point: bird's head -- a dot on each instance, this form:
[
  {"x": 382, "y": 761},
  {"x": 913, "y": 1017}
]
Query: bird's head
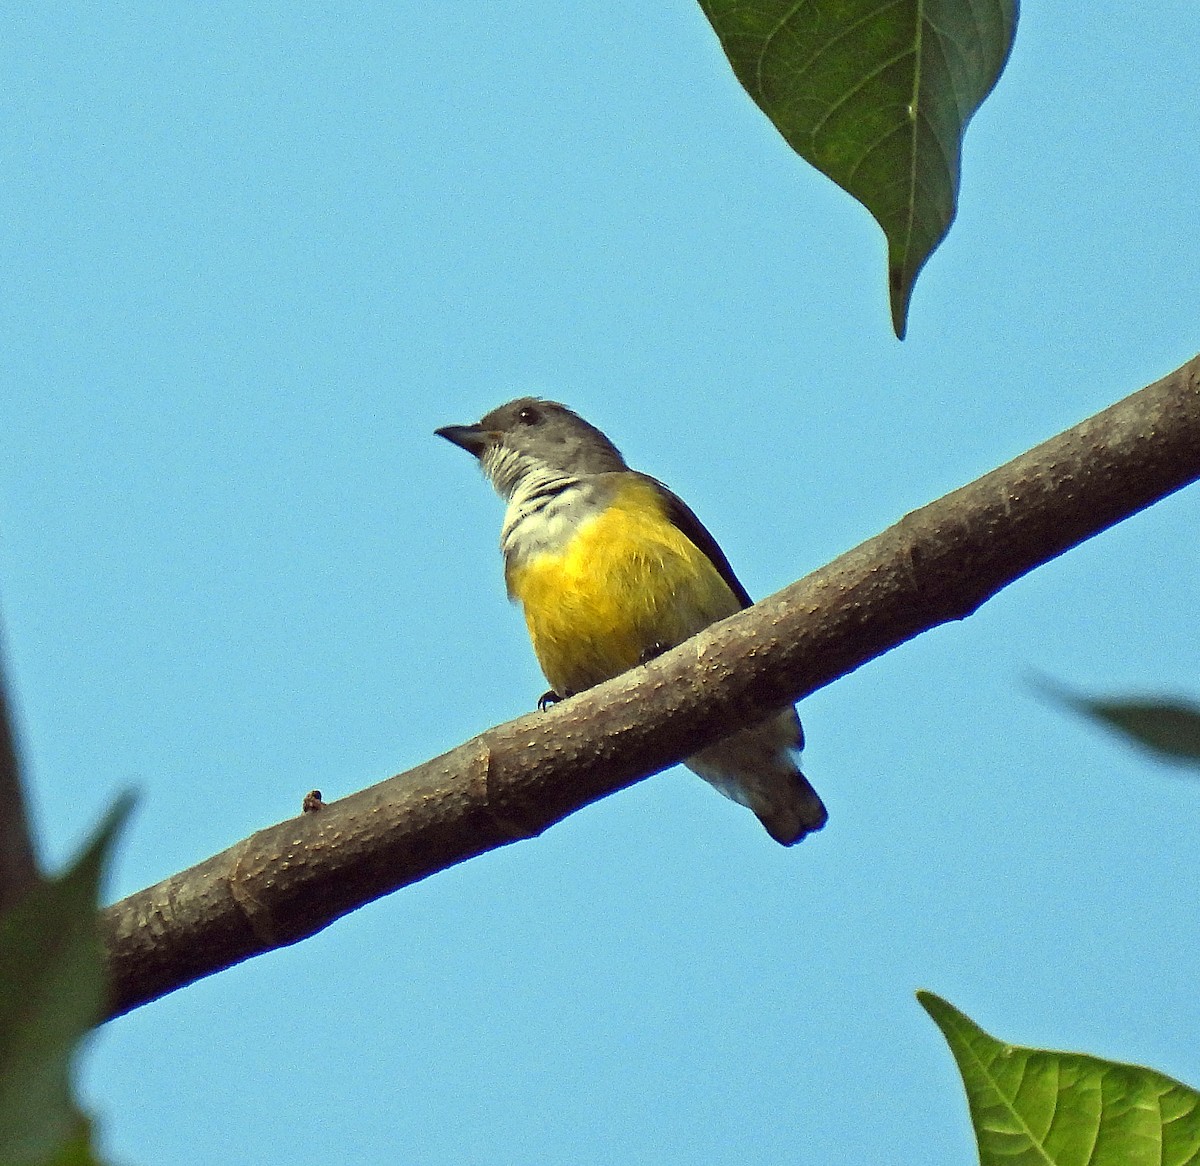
[{"x": 529, "y": 436}]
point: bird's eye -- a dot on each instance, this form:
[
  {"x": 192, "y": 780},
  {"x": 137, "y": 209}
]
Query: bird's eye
[{"x": 528, "y": 415}]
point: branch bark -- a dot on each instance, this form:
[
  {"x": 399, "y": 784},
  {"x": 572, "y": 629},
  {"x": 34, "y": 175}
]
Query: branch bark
[
  {"x": 937, "y": 564},
  {"x": 18, "y": 864}
]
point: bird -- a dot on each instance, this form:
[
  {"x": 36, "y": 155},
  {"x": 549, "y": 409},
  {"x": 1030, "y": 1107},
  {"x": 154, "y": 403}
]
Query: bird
[{"x": 611, "y": 569}]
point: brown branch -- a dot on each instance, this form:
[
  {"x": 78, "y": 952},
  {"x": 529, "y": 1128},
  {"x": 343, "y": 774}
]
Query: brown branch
[
  {"x": 18, "y": 865},
  {"x": 937, "y": 564}
]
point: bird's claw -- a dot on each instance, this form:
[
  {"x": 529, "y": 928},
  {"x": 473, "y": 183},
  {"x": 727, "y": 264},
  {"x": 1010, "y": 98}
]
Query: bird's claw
[
  {"x": 548, "y": 698},
  {"x": 652, "y": 652}
]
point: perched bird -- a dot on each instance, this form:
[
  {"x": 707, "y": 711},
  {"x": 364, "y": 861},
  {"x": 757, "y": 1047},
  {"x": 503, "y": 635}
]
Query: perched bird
[{"x": 612, "y": 569}]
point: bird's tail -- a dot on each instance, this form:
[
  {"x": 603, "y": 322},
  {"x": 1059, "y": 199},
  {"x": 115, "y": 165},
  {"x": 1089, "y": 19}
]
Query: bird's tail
[{"x": 757, "y": 767}]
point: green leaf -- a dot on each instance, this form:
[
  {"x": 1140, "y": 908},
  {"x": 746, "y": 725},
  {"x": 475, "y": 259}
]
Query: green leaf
[
  {"x": 1168, "y": 728},
  {"x": 52, "y": 992},
  {"x": 1031, "y": 1107},
  {"x": 876, "y": 94},
  {"x": 78, "y": 1151}
]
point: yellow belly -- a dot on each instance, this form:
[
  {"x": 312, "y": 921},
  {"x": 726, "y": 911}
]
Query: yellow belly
[{"x": 628, "y": 579}]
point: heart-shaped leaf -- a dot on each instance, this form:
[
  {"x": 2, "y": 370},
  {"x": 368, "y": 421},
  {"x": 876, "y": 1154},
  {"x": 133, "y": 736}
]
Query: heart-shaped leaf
[
  {"x": 1031, "y": 1107},
  {"x": 876, "y": 94},
  {"x": 51, "y": 995}
]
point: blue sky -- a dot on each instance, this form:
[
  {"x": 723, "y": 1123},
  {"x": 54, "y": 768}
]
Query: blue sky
[{"x": 254, "y": 254}]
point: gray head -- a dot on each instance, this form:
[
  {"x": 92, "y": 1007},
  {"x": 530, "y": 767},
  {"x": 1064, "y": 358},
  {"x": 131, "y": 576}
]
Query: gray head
[{"x": 529, "y": 436}]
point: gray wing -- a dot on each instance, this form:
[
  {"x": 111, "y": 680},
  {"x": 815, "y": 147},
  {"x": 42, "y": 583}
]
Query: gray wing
[
  {"x": 680, "y": 514},
  {"x": 682, "y": 517}
]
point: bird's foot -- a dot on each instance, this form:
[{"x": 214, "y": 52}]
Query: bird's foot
[
  {"x": 653, "y": 652},
  {"x": 548, "y": 698}
]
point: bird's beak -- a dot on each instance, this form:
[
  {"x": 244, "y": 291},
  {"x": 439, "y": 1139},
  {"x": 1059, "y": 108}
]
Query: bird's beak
[{"x": 473, "y": 438}]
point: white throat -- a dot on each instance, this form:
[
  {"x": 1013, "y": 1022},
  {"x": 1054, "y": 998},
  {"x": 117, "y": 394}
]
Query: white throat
[{"x": 545, "y": 505}]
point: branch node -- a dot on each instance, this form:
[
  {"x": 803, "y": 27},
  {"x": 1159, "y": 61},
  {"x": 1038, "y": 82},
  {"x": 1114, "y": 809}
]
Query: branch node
[
  {"x": 256, "y": 913},
  {"x": 492, "y": 795}
]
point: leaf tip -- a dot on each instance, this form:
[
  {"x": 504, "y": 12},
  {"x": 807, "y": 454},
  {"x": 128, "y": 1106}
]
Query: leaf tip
[
  {"x": 900, "y": 292},
  {"x": 930, "y": 1001}
]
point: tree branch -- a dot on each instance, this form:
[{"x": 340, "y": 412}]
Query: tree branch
[
  {"x": 18, "y": 865},
  {"x": 937, "y": 564}
]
